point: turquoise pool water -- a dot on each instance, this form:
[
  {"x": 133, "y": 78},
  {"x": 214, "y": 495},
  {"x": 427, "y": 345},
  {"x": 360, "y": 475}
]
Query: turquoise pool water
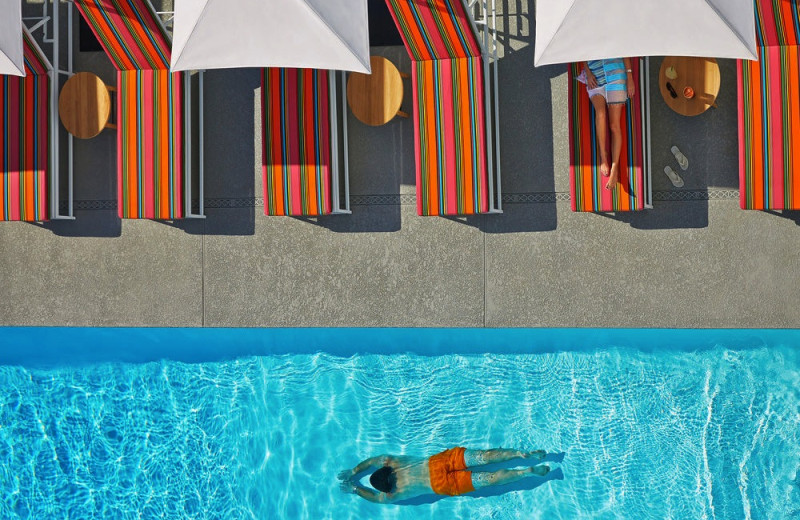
[{"x": 248, "y": 424}]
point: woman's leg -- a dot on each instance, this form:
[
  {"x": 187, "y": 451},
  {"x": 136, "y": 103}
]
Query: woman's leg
[
  {"x": 601, "y": 125},
  {"x": 480, "y": 457},
  {"x": 615, "y": 117},
  {"x": 481, "y": 479}
]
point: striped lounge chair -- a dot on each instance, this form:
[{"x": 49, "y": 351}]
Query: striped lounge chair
[
  {"x": 455, "y": 151},
  {"x": 24, "y": 122},
  {"x": 301, "y": 159},
  {"x": 586, "y": 184},
  {"x": 150, "y": 115},
  {"x": 769, "y": 111}
]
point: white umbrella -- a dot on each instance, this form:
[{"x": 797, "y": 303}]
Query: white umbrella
[
  {"x": 316, "y": 34},
  {"x": 579, "y": 30},
  {"x": 11, "y": 57}
]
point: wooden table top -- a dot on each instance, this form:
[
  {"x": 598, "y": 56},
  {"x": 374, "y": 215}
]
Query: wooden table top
[
  {"x": 702, "y": 74},
  {"x": 375, "y": 98},
  {"x": 84, "y": 105}
]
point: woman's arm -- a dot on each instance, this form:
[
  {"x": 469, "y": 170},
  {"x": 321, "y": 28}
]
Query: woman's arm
[
  {"x": 629, "y": 73},
  {"x": 591, "y": 81}
]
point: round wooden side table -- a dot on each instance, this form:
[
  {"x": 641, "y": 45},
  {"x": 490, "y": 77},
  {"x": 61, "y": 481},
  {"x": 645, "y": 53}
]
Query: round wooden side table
[
  {"x": 376, "y": 98},
  {"x": 84, "y": 105},
  {"x": 701, "y": 74}
]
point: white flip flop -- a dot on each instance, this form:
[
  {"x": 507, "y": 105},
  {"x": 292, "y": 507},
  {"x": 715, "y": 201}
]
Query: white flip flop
[
  {"x": 674, "y": 177},
  {"x": 683, "y": 162}
]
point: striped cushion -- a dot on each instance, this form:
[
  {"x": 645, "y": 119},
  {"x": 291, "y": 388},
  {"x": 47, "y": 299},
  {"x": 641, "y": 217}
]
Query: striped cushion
[
  {"x": 769, "y": 111},
  {"x": 450, "y": 137},
  {"x": 24, "y": 114},
  {"x": 149, "y": 137},
  {"x": 434, "y": 29},
  {"x": 149, "y": 107},
  {"x": 449, "y": 111},
  {"x": 296, "y": 159},
  {"x": 129, "y": 32},
  {"x": 587, "y": 185}
]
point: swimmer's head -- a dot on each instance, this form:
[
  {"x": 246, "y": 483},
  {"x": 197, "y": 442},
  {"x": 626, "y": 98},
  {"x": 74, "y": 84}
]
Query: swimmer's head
[{"x": 384, "y": 479}]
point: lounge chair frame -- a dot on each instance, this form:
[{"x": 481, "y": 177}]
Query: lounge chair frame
[
  {"x": 49, "y": 23},
  {"x": 339, "y": 154}
]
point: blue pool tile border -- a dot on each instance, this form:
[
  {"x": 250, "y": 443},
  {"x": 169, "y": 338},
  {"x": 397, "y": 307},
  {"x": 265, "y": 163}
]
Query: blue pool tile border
[{"x": 49, "y": 346}]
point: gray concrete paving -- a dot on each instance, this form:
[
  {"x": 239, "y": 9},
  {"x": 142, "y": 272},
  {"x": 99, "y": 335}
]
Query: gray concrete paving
[{"x": 695, "y": 260}]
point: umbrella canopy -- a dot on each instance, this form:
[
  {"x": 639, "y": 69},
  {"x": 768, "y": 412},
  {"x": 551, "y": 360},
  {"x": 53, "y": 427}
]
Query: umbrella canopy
[
  {"x": 315, "y": 34},
  {"x": 11, "y": 60},
  {"x": 579, "y": 30}
]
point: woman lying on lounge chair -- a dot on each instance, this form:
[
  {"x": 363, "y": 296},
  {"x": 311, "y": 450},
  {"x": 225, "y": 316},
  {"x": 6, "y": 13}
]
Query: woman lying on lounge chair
[{"x": 609, "y": 84}]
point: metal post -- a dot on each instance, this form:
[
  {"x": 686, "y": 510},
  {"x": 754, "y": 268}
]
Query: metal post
[
  {"x": 496, "y": 110},
  {"x": 54, "y": 162},
  {"x": 334, "y": 141},
  {"x": 201, "y": 132},
  {"x": 346, "y": 153},
  {"x": 70, "y": 138},
  {"x": 187, "y": 139},
  {"x": 648, "y": 175}
]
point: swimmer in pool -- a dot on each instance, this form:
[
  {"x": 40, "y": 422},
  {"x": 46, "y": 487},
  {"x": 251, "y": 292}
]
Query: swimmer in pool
[{"x": 447, "y": 473}]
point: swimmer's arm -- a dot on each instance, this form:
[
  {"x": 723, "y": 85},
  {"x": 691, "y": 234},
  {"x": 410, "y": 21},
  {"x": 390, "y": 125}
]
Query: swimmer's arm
[
  {"x": 371, "y": 495},
  {"x": 374, "y": 462}
]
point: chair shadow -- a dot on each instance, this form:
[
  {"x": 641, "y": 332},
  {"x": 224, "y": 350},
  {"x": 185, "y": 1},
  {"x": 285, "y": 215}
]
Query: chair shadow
[
  {"x": 787, "y": 214},
  {"x": 363, "y": 219},
  {"x": 526, "y": 130},
  {"x": 524, "y": 484},
  {"x": 99, "y": 224},
  {"x": 663, "y": 215}
]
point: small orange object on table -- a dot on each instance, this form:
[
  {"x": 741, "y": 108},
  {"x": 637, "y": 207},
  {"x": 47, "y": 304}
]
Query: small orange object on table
[
  {"x": 84, "y": 105},
  {"x": 376, "y": 98},
  {"x": 696, "y": 84}
]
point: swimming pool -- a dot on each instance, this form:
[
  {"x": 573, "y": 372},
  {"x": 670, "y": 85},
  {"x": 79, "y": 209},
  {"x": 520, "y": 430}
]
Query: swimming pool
[{"x": 111, "y": 423}]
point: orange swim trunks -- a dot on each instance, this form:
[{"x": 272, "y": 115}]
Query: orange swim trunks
[{"x": 448, "y": 475}]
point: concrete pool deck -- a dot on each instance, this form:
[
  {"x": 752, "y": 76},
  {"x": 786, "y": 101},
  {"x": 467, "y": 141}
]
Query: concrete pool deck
[{"x": 694, "y": 260}]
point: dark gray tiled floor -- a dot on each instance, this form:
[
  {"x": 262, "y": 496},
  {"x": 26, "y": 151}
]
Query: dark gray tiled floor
[{"x": 695, "y": 260}]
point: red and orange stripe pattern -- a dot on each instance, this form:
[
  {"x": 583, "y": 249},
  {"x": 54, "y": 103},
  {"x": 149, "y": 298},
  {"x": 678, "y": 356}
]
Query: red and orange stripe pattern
[
  {"x": 297, "y": 142},
  {"x": 769, "y": 111},
  {"x": 449, "y": 111},
  {"x": 149, "y": 107},
  {"x": 129, "y": 32},
  {"x": 451, "y": 160},
  {"x": 586, "y": 184},
  {"x": 147, "y": 187},
  {"x": 24, "y": 122},
  {"x": 434, "y": 29}
]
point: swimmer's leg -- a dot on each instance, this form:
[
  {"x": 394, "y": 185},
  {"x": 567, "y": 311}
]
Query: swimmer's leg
[
  {"x": 481, "y": 479},
  {"x": 481, "y": 457}
]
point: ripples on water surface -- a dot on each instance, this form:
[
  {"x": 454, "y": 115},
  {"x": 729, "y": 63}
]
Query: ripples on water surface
[{"x": 680, "y": 435}]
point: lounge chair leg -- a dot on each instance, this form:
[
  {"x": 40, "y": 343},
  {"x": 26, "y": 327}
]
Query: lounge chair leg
[{"x": 402, "y": 114}]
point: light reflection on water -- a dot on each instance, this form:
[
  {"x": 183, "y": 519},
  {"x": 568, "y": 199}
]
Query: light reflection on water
[{"x": 712, "y": 434}]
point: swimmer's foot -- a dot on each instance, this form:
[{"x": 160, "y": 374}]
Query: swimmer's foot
[
  {"x": 540, "y": 470},
  {"x": 614, "y": 178},
  {"x": 535, "y": 455}
]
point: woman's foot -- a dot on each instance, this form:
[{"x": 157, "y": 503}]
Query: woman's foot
[
  {"x": 613, "y": 178},
  {"x": 540, "y": 470},
  {"x": 604, "y": 168}
]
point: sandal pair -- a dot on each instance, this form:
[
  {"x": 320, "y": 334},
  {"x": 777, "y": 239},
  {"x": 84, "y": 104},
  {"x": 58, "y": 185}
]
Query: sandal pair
[{"x": 683, "y": 162}]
